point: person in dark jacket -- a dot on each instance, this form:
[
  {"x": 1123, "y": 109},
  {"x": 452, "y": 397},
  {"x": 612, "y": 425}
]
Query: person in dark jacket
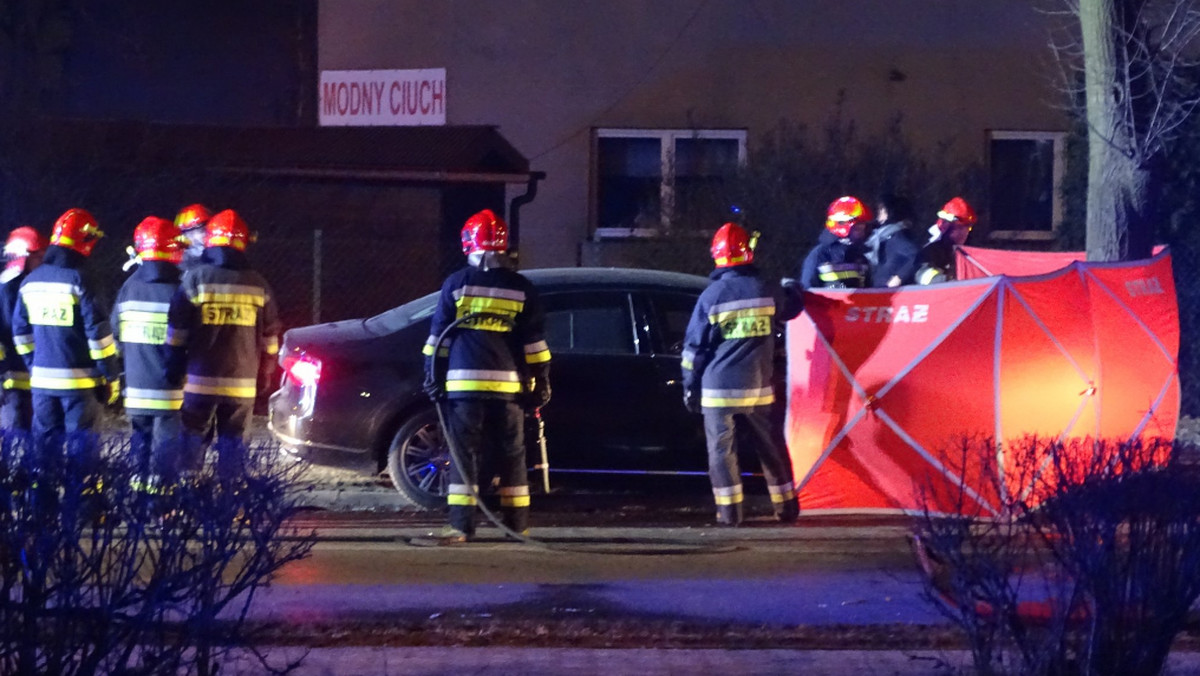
[
  {"x": 728, "y": 375},
  {"x": 489, "y": 366},
  {"x": 64, "y": 336},
  {"x": 892, "y": 251},
  {"x": 839, "y": 260},
  {"x": 152, "y": 399},
  {"x": 23, "y": 251},
  {"x": 955, "y": 220},
  {"x": 223, "y": 329}
]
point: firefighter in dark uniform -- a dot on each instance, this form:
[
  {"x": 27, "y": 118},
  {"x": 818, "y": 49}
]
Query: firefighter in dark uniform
[
  {"x": 839, "y": 259},
  {"x": 152, "y": 401},
  {"x": 23, "y": 252},
  {"x": 191, "y": 221},
  {"x": 490, "y": 368},
  {"x": 64, "y": 336},
  {"x": 223, "y": 329},
  {"x": 728, "y": 367},
  {"x": 954, "y": 223}
]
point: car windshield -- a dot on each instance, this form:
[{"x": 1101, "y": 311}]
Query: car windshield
[{"x": 402, "y": 316}]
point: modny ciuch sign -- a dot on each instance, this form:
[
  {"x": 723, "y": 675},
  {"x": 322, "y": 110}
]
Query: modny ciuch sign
[{"x": 382, "y": 97}]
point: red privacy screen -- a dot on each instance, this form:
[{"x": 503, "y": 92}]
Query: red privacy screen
[{"x": 883, "y": 383}]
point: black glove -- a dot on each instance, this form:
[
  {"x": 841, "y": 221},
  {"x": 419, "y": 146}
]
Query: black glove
[
  {"x": 433, "y": 389},
  {"x": 691, "y": 401},
  {"x": 540, "y": 396}
]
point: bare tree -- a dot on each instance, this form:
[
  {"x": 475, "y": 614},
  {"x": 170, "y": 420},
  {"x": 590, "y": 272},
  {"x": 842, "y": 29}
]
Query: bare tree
[{"x": 1130, "y": 65}]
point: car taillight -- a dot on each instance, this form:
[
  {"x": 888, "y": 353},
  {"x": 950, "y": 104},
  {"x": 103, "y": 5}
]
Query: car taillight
[{"x": 304, "y": 370}]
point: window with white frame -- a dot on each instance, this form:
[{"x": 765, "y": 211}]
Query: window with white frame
[
  {"x": 1026, "y": 170},
  {"x": 647, "y": 178}
]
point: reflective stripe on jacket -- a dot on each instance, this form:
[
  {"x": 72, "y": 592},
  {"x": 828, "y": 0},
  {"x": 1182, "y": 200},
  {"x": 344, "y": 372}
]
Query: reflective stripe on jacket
[
  {"x": 729, "y": 348},
  {"x": 224, "y": 322},
  {"x": 491, "y": 355},
  {"x": 140, "y": 323},
  {"x": 59, "y": 329}
]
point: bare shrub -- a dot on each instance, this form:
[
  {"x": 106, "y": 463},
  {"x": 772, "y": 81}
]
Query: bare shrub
[
  {"x": 99, "y": 575},
  {"x": 1086, "y": 562}
]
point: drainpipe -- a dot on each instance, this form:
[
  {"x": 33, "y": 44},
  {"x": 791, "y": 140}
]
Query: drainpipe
[{"x": 514, "y": 210}]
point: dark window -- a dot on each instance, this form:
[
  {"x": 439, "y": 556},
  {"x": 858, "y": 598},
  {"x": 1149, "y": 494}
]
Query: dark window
[
  {"x": 1023, "y": 184},
  {"x": 703, "y": 168},
  {"x": 593, "y": 323},
  {"x": 630, "y": 182},
  {"x": 673, "y": 311}
]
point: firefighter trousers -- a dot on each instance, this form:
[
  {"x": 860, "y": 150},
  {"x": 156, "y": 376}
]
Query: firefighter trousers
[
  {"x": 56, "y": 416},
  {"x": 723, "y": 429},
  {"x": 487, "y": 433},
  {"x": 156, "y": 444},
  {"x": 16, "y": 412},
  {"x": 232, "y": 422}
]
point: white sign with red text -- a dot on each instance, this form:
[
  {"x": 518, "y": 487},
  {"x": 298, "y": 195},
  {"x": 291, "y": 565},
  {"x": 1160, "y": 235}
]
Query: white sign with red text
[{"x": 382, "y": 97}]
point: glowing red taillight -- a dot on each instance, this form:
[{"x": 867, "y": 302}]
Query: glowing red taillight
[{"x": 304, "y": 370}]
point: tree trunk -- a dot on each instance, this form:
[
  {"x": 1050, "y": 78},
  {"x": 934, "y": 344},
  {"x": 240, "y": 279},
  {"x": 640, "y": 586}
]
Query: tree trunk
[{"x": 1120, "y": 205}]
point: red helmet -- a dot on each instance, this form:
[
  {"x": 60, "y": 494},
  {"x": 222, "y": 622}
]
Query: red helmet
[
  {"x": 226, "y": 228},
  {"x": 732, "y": 245},
  {"x": 192, "y": 217},
  {"x": 23, "y": 241},
  {"x": 76, "y": 230},
  {"x": 157, "y": 239},
  {"x": 845, "y": 213},
  {"x": 958, "y": 212},
  {"x": 484, "y": 231}
]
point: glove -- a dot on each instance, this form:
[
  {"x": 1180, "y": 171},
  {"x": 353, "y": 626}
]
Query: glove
[
  {"x": 110, "y": 392},
  {"x": 540, "y": 396},
  {"x": 691, "y": 401},
  {"x": 433, "y": 389}
]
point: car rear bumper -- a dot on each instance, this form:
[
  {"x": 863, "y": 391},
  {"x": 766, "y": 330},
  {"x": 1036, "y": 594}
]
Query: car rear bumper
[{"x": 294, "y": 435}]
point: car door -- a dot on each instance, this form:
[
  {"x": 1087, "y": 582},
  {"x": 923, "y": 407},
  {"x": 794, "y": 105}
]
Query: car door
[
  {"x": 664, "y": 318},
  {"x": 605, "y": 385}
]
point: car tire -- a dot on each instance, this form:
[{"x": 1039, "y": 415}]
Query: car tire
[{"x": 419, "y": 460}]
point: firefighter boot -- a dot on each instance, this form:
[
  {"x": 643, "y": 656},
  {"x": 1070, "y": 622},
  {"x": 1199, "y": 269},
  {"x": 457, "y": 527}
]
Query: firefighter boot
[
  {"x": 729, "y": 515},
  {"x": 788, "y": 510}
]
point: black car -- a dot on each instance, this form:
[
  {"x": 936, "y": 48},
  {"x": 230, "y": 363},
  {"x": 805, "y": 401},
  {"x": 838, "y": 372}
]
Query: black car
[{"x": 351, "y": 391}]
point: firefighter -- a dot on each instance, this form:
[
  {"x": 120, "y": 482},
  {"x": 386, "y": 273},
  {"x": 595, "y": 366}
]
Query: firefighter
[
  {"x": 64, "y": 336},
  {"x": 23, "y": 251},
  {"x": 191, "y": 221},
  {"x": 152, "y": 400},
  {"x": 890, "y": 248},
  {"x": 491, "y": 366},
  {"x": 223, "y": 330},
  {"x": 955, "y": 220},
  {"x": 839, "y": 261},
  {"x": 728, "y": 374}
]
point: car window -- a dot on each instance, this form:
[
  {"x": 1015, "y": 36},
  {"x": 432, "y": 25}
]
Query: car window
[
  {"x": 403, "y": 315},
  {"x": 672, "y": 312},
  {"x": 589, "y": 323}
]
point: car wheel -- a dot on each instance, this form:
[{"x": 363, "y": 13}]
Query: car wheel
[{"x": 419, "y": 460}]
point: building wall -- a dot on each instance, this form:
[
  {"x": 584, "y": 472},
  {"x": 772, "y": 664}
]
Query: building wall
[{"x": 547, "y": 72}]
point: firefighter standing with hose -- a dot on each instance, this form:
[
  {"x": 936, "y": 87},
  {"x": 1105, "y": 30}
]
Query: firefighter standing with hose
[
  {"x": 152, "y": 398},
  {"x": 223, "y": 328},
  {"x": 64, "y": 336},
  {"x": 728, "y": 366},
  {"x": 495, "y": 363},
  {"x": 23, "y": 251}
]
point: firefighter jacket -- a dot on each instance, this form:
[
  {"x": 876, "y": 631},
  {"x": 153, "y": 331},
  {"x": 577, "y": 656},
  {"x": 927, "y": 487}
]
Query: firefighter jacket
[
  {"x": 835, "y": 264},
  {"x": 729, "y": 348},
  {"x": 937, "y": 262},
  {"x": 891, "y": 252},
  {"x": 60, "y": 330},
  {"x": 15, "y": 373},
  {"x": 224, "y": 325},
  {"x": 502, "y": 355},
  {"x": 140, "y": 320}
]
